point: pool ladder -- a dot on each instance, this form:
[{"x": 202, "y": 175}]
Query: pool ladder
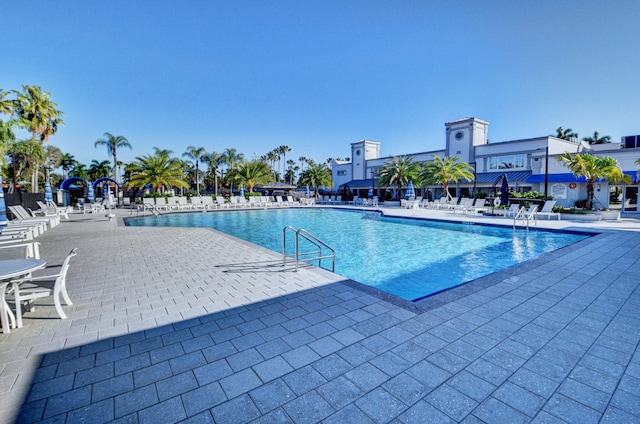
[
  {"x": 313, "y": 255},
  {"x": 522, "y": 214},
  {"x": 148, "y": 207}
]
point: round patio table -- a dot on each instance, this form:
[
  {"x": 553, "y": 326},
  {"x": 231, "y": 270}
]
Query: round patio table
[{"x": 9, "y": 269}]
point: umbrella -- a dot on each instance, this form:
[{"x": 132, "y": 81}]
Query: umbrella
[
  {"x": 370, "y": 191},
  {"x": 411, "y": 192},
  {"x": 504, "y": 191},
  {"x": 90, "y": 195},
  {"x": 307, "y": 193},
  {"x": 242, "y": 191},
  {"x": 48, "y": 196},
  {"x": 3, "y": 208}
]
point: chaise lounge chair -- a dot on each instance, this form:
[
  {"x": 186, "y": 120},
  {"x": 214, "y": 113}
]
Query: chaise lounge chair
[{"x": 547, "y": 210}]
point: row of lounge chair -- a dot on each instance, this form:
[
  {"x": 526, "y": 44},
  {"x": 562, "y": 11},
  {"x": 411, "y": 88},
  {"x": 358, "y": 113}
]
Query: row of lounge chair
[
  {"x": 477, "y": 206},
  {"x": 235, "y": 202}
]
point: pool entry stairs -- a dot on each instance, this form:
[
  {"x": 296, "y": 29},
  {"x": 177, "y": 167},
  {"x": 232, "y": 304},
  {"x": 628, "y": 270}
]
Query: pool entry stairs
[{"x": 320, "y": 250}]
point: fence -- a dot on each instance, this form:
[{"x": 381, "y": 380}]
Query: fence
[{"x": 26, "y": 199}]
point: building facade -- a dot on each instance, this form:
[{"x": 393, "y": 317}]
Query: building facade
[{"x": 529, "y": 164}]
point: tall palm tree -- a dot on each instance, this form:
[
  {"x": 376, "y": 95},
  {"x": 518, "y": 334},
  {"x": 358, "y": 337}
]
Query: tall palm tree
[
  {"x": 113, "y": 143},
  {"x": 6, "y": 105},
  {"x": 38, "y": 114},
  {"x": 196, "y": 154},
  {"x": 157, "y": 171},
  {"x": 251, "y": 173},
  {"x": 594, "y": 168},
  {"x": 214, "y": 160},
  {"x": 272, "y": 157},
  {"x": 446, "y": 170},
  {"x": 316, "y": 175},
  {"x": 398, "y": 171},
  {"x": 302, "y": 160},
  {"x": 565, "y": 133},
  {"x": 291, "y": 165},
  {"x": 231, "y": 158},
  {"x": 596, "y": 139},
  {"x": 282, "y": 150}
]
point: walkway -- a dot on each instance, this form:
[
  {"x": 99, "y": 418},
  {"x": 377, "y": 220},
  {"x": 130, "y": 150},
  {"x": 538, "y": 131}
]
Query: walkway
[{"x": 189, "y": 324}]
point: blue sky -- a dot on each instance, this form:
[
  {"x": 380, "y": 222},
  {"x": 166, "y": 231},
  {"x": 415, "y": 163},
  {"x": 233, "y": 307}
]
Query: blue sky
[{"x": 319, "y": 75}]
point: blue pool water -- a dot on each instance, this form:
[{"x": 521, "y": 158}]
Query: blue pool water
[{"x": 406, "y": 257}]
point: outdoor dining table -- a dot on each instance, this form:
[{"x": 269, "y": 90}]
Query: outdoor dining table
[{"x": 10, "y": 269}]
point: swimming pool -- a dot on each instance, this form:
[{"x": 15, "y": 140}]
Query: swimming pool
[{"x": 409, "y": 258}]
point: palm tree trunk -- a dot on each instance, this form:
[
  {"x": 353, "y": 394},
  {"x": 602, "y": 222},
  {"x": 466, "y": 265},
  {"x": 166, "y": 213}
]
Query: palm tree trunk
[{"x": 590, "y": 195}]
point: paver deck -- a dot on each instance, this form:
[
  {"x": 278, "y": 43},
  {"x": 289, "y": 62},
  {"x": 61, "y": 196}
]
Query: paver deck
[{"x": 175, "y": 324}]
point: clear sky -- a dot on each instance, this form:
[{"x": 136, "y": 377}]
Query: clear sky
[{"x": 319, "y": 75}]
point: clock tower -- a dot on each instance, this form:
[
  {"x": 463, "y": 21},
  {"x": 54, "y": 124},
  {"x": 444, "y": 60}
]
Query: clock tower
[
  {"x": 361, "y": 152},
  {"x": 463, "y": 135}
]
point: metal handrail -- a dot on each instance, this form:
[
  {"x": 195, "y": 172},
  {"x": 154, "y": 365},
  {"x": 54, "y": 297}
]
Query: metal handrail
[
  {"x": 314, "y": 255},
  {"x": 151, "y": 207},
  {"x": 522, "y": 214}
]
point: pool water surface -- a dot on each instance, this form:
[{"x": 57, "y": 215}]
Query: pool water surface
[{"x": 409, "y": 258}]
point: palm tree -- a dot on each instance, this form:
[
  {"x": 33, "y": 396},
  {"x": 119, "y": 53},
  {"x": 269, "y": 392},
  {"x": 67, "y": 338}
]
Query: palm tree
[
  {"x": 282, "y": 150},
  {"x": 593, "y": 168},
  {"x": 398, "y": 171},
  {"x": 565, "y": 134},
  {"x": 25, "y": 155},
  {"x": 196, "y": 154},
  {"x": 6, "y": 105},
  {"x": 596, "y": 139},
  {"x": 38, "y": 114},
  {"x": 99, "y": 169},
  {"x": 213, "y": 159},
  {"x": 446, "y": 170},
  {"x": 79, "y": 171},
  {"x": 272, "y": 157},
  {"x": 231, "y": 158},
  {"x": 289, "y": 174},
  {"x": 316, "y": 175},
  {"x": 113, "y": 143},
  {"x": 156, "y": 171},
  {"x": 251, "y": 173},
  {"x": 302, "y": 160},
  {"x": 67, "y": 161}
]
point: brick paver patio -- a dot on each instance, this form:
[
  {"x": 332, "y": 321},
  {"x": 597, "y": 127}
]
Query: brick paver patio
[{"x": 174, "y": 324}]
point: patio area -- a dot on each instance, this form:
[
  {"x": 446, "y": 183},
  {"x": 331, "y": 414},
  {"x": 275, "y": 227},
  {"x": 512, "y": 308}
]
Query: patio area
[{"x": 175, "y": 324}]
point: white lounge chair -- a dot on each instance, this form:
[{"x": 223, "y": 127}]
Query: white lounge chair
[
  {"x": 161, "y": 203},
  {"x": 477, "y": 208},
  {"x": 547, "y": 210},
  {"x": 465, "y": 203}
]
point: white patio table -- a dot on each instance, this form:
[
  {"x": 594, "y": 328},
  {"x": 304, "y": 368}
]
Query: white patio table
[{"x": 10, "y": 269}]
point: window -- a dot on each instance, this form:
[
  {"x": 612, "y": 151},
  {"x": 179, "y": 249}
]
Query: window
[
  {"x": 632, "y": 141},
  {"x": 342, "y": 173},
  {"x": 508, "y": 162}
]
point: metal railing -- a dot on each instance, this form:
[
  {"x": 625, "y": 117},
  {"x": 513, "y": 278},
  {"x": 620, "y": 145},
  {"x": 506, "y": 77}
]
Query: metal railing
[
  {"x": 148, "y": 207},
  {"x": 310, "y": 256},
  {"x": 526, "y": 217}
]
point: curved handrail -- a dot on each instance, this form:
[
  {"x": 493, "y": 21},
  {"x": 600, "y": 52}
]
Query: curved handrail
[{"x": 313, "y": 240}]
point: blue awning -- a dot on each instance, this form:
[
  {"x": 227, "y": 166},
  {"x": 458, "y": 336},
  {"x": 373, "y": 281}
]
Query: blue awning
[
  {"x": 557, "y": 178},
  {"x": 358, "y": 184},
  {"x": 512, "y": 176}
]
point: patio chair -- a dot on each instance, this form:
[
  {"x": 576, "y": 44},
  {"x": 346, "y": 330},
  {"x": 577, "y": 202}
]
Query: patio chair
[
  {"x": 465, "y": 203},
  {"x": 477, "y": 208},
  {"x": 30, "y": 288},
  {"x": 512, "y": 211},
  {"x": 23, "y": 217},
  {"x": 547, "y": 210}
]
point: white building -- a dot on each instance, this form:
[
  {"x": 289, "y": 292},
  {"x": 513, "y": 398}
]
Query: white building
[{"x": 529, "y": 164}]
